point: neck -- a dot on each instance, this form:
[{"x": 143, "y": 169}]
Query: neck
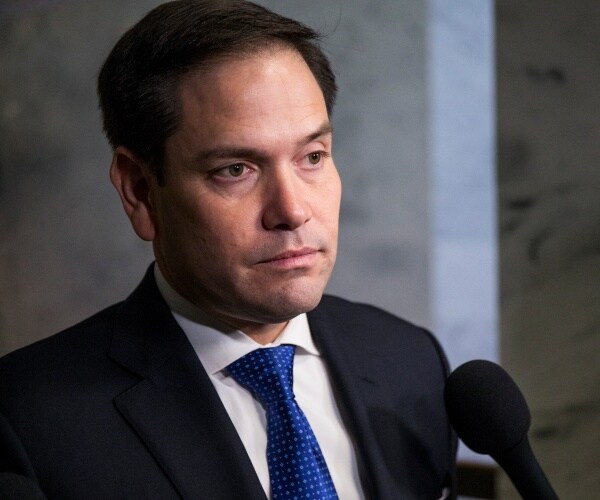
[{"x": 263, "y": 334}]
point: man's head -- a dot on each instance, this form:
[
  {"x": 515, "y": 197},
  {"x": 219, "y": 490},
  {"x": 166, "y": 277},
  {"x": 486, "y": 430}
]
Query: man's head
[
  {"x": 244, "y": 216},
  {"x": 138, "y": 83}
]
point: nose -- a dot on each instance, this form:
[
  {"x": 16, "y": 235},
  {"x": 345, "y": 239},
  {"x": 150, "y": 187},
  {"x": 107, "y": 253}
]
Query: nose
[{"x": 286, "y": 201}]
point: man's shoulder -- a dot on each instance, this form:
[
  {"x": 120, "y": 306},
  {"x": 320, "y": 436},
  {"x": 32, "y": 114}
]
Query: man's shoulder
[
  {"x": 89, "y": 337},
  {"x": 379, "y": 331},
  {"x": 80, "y": 345},
  {"x": 366, "y": 317},
  {"x": 341, "y": 307},
  {"x": 80, "y": 333}
]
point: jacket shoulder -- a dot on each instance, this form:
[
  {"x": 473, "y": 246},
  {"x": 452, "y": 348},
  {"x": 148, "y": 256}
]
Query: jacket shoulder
[
  {"x": 85, "y": 335},
  {"x": 358, "y": 310},
  {"x": 66, "y": 364},
  {"x": 368, "y": 324}
]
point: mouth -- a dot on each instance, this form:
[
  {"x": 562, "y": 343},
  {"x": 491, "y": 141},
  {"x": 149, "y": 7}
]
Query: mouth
[{"x": 292, "y": 259}]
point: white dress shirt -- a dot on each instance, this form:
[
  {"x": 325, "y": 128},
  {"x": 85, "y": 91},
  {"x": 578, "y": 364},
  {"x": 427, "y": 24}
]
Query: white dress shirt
[{"x": 217, "y": 346}]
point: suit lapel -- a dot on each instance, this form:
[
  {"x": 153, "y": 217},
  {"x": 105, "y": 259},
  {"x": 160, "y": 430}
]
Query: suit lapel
[
  {"x": 174, "y": 409},
  {"x": 355, "y": 379}
]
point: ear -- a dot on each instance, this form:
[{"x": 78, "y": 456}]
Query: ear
[{"x": 134, "y": 181}]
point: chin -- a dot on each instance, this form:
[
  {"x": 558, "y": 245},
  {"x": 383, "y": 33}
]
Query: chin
[{"x": 285, "y": 305}]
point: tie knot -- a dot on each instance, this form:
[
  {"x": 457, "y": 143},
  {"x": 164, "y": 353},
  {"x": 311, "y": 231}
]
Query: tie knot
[{"x": 267, "y": 372}]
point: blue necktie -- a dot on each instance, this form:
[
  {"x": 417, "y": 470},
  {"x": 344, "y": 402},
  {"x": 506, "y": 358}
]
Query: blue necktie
[{"x": 297, "y": 468}]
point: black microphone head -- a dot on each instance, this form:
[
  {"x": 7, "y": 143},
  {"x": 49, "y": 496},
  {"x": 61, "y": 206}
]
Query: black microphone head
[
  {"x": 18, "y": 487},
  {"x": 486, "y": 408}
]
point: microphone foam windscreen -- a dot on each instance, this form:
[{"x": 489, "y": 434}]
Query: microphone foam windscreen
[{"x": 485, "y": 407}]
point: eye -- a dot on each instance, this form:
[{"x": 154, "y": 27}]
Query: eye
[
  {"x": 235, "y": 170},
  {"x": 314, "y": 158}
]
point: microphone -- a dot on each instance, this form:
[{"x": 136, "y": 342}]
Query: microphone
[
  {"x": 489, "y": 413},
  {"x": 18, "y": 487}
]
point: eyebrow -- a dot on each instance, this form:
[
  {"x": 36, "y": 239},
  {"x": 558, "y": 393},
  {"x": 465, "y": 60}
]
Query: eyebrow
[{"x": 243, "y": 152}]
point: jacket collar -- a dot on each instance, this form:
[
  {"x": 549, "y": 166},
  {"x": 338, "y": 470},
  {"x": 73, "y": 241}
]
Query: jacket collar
[
  {"x": 174, "y": 408},
  {"x": 357, "y": 378}
]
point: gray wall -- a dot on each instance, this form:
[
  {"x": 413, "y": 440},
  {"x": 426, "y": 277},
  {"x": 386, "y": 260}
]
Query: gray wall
[
  {"x": 549, "y": 192},
  {"x": 66, "y": 248}
]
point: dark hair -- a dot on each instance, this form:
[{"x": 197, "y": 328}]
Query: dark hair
[{"x": 138, "y": 82}]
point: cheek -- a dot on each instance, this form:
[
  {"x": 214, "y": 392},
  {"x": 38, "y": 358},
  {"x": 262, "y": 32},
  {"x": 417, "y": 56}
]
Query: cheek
[
  {"x": 222, "y": 233},
  {"x": 182, "y": 228},
  {"x": 330, "y": 202}
]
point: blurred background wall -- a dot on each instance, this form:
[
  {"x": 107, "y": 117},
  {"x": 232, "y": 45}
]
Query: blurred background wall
[
  {"x": 488, "y": 234},
  {"x": 549, "y": 208}
]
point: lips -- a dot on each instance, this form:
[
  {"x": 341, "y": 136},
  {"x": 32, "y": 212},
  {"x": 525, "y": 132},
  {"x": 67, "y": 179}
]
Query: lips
[
  {"x": 291, "y": 254},
  {"x": 292, "y": 258}
]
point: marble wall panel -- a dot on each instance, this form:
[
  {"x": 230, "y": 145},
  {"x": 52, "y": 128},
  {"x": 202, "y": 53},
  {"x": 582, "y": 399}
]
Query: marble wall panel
[
  {"x": 549, "y": 193},
  {"x": 462, "y": 182},
  {"x": 462, "y": 177},
  {"x": 66, "y": 249}
]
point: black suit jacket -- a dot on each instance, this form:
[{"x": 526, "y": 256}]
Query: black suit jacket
[{"x": 119, "y": 406}]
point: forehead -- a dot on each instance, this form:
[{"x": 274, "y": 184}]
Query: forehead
[{"x": 269, "y": 90}]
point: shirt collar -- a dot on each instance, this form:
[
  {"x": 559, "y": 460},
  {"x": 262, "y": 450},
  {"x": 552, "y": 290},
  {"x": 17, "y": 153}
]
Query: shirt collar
[{"x": 216, "y": 344}]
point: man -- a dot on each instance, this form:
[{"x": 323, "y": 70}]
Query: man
[{"x": 218, "y": 113}]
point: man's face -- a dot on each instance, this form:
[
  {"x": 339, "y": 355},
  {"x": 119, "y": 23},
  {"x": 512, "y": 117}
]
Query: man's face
[{"x": 246, "y": 224}]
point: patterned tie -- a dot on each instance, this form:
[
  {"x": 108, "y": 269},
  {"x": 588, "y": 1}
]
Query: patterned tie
[{"x": 297, "y": 468}]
